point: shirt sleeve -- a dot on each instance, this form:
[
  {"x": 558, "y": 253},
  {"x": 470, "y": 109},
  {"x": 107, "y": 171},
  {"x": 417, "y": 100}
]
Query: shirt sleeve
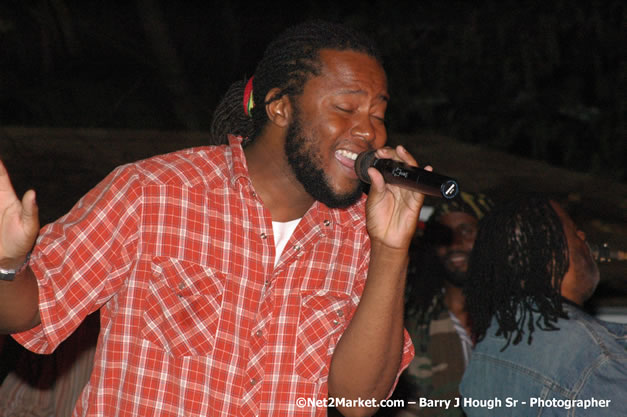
[{"x": 82, "y": 259}]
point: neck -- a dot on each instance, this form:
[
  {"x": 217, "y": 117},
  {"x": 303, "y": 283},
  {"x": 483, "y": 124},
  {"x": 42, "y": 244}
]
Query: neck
[
  {"x": 454, "y": 299},
  {"x": 455, "y": 302},
  {"x": 573, "y": 288},
  {"x": 274, "y": 181}
]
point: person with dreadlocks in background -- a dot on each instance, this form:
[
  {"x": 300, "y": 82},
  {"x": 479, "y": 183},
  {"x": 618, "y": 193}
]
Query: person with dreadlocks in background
[
  {"x": 538, "y": 352},
  {"x": 249, "y": 278},
  {"x": 435, "y": 313}
]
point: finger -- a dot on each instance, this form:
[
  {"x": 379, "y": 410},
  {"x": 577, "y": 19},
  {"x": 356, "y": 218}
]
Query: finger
[
  {"x": 5, "y": 181},
  {"x": 406, "y": 156},
  {"x": 400, "y": 153},
  {"x": 377, "y": 183},
  {"x": 30, "y": 211},
  {"x": 386, "y": 153}
]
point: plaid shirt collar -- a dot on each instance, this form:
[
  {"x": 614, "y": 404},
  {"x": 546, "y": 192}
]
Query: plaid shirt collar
[{"x": 238, "y": 169}]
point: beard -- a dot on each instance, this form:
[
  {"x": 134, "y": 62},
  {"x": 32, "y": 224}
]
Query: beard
[
  {"x": 454, "y": 274},
  {"x": 457, "y": 278},
  {"x": 303, "y": 156}
]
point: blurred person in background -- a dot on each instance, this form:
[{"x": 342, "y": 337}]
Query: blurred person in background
[
  {"x": 531, "y": 271},
  {"x": 435, "y": 305},
  {"x": 33, "y": 385}
]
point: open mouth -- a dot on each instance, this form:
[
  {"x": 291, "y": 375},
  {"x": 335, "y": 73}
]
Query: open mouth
[
  {"x": 457, "y": 259},
  {"x": 347, "y": 159}
]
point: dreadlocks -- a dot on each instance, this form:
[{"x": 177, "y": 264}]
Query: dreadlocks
[
  {"x": 516, "y": 269},
  {"x": 288, "y": 62}
]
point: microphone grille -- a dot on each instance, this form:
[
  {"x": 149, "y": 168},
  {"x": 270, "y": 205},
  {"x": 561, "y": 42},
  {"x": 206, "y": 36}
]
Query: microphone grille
[{"x": 364, "y": 161}]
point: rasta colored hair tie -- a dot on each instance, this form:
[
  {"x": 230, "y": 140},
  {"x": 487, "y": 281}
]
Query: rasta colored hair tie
[{"x": 249, "y": 103}]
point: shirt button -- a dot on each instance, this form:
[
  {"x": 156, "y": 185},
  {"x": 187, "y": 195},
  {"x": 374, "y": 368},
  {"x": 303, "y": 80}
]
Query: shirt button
[
  {"x": 336, "y": 322},
  {"x": 259, "y": 333},
  {"x": 297, "y": 247},
  {"x": 181, "y": 286},
  {"x": 327, "y": 223},
  {"x": 340, "y": 313},
  {"x": 263, "y": 235},
  {"x": 253, "y": 381}
]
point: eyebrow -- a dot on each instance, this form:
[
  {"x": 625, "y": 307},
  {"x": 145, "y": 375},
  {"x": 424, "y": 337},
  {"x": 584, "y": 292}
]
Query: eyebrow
[{"x": 383, "y": 97}]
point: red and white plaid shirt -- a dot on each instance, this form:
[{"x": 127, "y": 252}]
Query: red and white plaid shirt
[{"x": 177, "y": 252}]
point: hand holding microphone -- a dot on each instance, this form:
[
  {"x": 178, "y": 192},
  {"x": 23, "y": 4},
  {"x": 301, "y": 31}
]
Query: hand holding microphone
[{"x": 407, "y": 176}]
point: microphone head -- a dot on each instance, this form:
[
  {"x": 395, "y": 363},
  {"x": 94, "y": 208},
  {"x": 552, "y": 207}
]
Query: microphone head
[
  {"x": 364, "y": 161},
  {"x": 449, "y": 189}
]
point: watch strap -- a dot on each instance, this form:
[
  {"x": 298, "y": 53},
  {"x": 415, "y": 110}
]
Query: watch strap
[{"x": 9, "y": 274}]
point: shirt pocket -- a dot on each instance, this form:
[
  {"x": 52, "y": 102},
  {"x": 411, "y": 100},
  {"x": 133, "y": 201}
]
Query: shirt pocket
[
  {"x": 184, "y": 302},
  {"x": 322, "y": 319}
]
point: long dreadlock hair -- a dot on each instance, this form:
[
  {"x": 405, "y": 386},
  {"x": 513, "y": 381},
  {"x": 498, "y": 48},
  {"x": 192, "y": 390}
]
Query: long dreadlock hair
[
  {"x": 516, "y": 269},
  {"x": 288, "y": 62}
]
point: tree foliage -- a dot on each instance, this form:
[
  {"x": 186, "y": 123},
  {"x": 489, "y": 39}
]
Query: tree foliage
[{"x": 545, "y": 80}]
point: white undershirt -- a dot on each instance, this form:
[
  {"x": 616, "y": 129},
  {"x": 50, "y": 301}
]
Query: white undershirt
[
  {"x": 464, "y": 338},
  {"x": 282, "y": 233}
]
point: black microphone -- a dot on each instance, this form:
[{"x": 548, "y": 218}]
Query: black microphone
[{"x": 403, "y": 175}]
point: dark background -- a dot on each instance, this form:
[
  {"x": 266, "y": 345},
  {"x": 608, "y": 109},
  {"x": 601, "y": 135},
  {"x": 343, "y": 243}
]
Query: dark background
[
  {"x": 506, "y": 96},
  {"x": 543, "y": 79}
]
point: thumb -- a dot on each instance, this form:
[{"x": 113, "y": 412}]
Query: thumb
[{"x": 30, "y": 212}]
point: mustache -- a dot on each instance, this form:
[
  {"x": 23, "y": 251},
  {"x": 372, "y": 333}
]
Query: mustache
[{"x": 451, "y": 253}]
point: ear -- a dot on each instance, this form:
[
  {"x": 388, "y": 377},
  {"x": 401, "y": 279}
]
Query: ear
[{"x": 279, "y": 111}]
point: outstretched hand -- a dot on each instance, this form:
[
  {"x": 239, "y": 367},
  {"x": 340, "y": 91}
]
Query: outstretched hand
[
  {"x": 391, "y": 211},
  {"x": 19, "y": 223}
]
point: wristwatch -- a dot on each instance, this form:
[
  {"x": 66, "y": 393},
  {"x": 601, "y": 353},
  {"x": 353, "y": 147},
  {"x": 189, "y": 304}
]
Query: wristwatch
[{"x": 9, "y": 274}]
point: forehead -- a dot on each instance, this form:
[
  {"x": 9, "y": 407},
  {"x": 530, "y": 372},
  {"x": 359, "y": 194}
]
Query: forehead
[
  {"x": 455, "y": 218},
  {"x": 349, "y": 72}
]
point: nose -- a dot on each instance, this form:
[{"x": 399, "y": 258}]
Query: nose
[
  {"x": 458, "y": 240},
  {"x": 464, "y": 237},
  {"x": 364, "y": 129},
  {"x": 461, "y": 242}
]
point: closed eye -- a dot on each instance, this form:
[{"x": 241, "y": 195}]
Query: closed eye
[{"x": 344, "y": 109}]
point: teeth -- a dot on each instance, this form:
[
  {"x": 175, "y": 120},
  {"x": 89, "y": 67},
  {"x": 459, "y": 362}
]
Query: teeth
[{"x": 347, "y": 154}]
